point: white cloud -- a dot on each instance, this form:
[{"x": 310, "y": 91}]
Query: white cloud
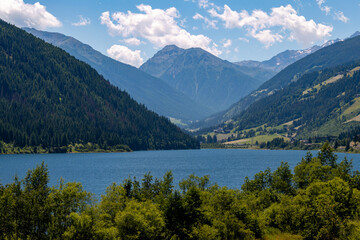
[
  {"x": 83, "y": 21},
  {"x": 325, "y": 8},
  {"x": 340, "y": 16},
  {"x": 209, "y": 23},
  {"x": 320, "y": 2},
  {"x": 132, "y": 41},
  {"x": 244, "y": 39},
  {"x": 267, "y": 37},
  {"x": 262, "y": 26},
  {"x": 227, "y": 43},
  {"x": 204, "y": 4},
  {"x": 27, "y": 15},
  {"x": 157, "y": 26},
  {"x": 125, "y": 55}
]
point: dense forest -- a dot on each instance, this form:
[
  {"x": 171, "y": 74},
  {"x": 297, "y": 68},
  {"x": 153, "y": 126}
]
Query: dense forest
[
  {"x": 320, "y": 199},
  {"x": 50, "y": 100}
]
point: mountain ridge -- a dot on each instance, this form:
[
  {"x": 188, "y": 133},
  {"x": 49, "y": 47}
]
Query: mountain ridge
[
  {"x": 332, "y": 55},
  {"x": 205, "y": 78},
  {"x": 49, "y": 99},
  {"x": 155, "y": 94},
  {"x": 320, "y": 104}
]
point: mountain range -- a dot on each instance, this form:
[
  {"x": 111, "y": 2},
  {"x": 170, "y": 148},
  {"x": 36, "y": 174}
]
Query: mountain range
[
  {"x": 334, "y": 54},
  {"x": 154, "y": 93},
  {"x": 50, "y": 99},
  {"x": 203, "y": 77},
  {"x": 283, "y": 59},
  {"x": 214, "y": 85},
  {"x": 320, "y": 103}
]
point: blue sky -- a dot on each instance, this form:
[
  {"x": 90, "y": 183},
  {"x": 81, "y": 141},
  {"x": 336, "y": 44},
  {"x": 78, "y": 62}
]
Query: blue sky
[{"x": 132, "y": 31}]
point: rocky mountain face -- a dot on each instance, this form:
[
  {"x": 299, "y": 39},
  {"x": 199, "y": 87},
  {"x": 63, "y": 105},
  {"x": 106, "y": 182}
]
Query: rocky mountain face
[{"x": 203, "y": 77}]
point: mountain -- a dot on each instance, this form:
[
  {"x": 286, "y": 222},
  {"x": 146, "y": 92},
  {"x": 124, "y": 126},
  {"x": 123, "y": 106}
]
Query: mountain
[
  {"x": 320, "y": 103},
  {"x": 265, "y": 70},
  {"x": 357, "y": 33},
  {"x": 154, "y": 93},
  {"x": 200, "y": 75},
  {"x": 281, "y": 60},
  {"x": 338, "y": 53},
  {"x": 50, "y": 98}
]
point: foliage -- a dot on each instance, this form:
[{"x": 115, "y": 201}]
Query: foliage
[
  {"x": 50, "y": 100},
  {"x": 320, "y": 200}
]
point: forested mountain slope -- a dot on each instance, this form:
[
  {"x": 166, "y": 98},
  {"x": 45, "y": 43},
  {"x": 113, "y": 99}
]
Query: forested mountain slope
[
  {"x": 320, "y": 103},
  {"x": 49, "y": 98},
  {"x": 336, "y": 54},
  {"x": 154, "y": 93}
]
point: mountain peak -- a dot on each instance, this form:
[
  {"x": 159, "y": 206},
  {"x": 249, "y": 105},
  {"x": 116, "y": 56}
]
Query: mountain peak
[
  {"x": 170, "y": 48},
  {"x": 357, "y": 33},
  {"x": 205, "y": 78}
]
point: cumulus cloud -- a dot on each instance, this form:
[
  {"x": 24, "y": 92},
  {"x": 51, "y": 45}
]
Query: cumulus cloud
[
  {"x": 158, "y": 26},
  {"x": 83, "y": 21},
  {"x": 209, "y": 23},
  {"x": 125, "y": 55},
  {"x": 262, "y": 26},
  {"x": 27, "y": 15},
  {"x": 132, "y": 41}
]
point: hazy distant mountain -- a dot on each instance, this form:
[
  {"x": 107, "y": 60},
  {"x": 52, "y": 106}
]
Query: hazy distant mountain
[
  {"x": 357, "y": 33},
  {"x": 269, "y": 68},
  {"x": 144, "y": 88},
  {"x": 202, "y": 76},
  {"x": 335, "y": 54},
  {"x": 281, "y": 60}
]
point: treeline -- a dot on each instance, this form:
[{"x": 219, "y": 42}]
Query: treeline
[
  {"x": 9, "y": 148},
  {"x": 319, "y": 200},
  {"x": 50, "y": 100}
]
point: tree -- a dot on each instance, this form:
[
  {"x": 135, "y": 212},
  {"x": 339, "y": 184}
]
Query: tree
[{"x": 282, "y": 179}]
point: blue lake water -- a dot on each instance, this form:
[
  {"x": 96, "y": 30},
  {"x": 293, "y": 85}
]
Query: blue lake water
[{"x": 96, "y": 171}]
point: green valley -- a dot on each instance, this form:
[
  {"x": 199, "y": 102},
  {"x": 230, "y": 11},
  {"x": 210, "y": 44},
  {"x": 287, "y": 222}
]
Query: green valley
[{"x": 320, "y": 105}]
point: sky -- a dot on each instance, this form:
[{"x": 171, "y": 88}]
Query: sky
[{"x": 132, "y": 31}]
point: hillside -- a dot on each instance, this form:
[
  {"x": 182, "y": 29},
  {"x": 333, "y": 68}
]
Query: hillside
[
  {"x": 50, "y": 99},
  {"x": 336, "y": 54},
  {"x": 321, "y": 103},
  {"x": 202, "y": 76},
  {"x": 154, "y": 93}
]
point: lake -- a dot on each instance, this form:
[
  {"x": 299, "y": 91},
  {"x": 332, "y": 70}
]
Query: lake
[{"x": 96, "y": 171}]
